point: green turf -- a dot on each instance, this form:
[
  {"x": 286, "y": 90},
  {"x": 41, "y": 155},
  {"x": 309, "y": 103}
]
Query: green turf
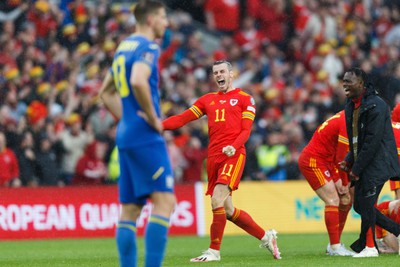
[{"x": 297, "y": 250}]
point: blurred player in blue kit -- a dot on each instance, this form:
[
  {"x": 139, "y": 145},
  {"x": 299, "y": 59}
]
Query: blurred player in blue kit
[{"x": 130, "y": 92}]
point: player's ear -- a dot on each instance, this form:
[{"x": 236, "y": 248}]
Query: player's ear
[
  {"x": 232, "y": 74},
  {"x": 361, "y": 82},
  {"x": 150, "y": 19}
]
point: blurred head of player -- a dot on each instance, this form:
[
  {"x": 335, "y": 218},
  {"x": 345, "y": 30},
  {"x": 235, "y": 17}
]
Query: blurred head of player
[
  {"x": 151, "y": 18},
  {"x": 223, "y": 75},
  {"x": 396, "y": 113}
]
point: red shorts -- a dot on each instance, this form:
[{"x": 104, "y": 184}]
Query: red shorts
[
  {"x": 225, "y": 170},
  {"x": 394, "y": 185},
  {"x": 317, "y": 171}
]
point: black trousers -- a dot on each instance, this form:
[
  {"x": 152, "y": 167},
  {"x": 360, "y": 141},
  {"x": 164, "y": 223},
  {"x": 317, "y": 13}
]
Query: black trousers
[{"x": 364, "y": 204}]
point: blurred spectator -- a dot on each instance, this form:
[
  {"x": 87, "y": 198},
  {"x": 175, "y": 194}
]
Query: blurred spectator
[
  {"x": 15, "y": 109},
  {"x": 295, "y": 143},
  {"x": 109, "y": 138},
  {"x": 391, "y": 86},
  {"x": 27, "y": 160},
  {"x": 272, "y": 157},
  {"x": 251, "y": 170},
  {"x": 36, "y": 118},
  {"x": 178, "y": 161},
  {"x": 7, "y": 53},
  {"x": 9, "y": 175},
  {"x": 273, "y": 20},
  {"x": 249, "y": 37},
  {"x": 44, "y": 19},
  {"x": 100, "y": 120},
  {"x": 194, "y": 7},
  {"x": 70, "y": 38},
  {"x": 91, "y": 168},
  {"x": 74, "y": 141},
  {"x": 194, "y": 155},
  {"x": 383, "y": 22},
  {"x": 54, "y": 53},
  {"x": 321, "y": 25},
  {"x": 48, "y": 169},
  {"x": 11, "y": 130},
  {"x": 113, "y": 167},
  {"x": 12, "y": 11},
  {"x": 222, "y": 15}
]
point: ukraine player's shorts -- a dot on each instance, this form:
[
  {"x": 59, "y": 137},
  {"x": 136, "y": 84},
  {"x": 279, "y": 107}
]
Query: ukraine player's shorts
[
  {"x": 225, "y": 170},
  {"x": 316, "y": 171},
  {"x": 144, "y": 170}
]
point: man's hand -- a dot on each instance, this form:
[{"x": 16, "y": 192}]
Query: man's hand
[
  {"x": 344, "y": 166},
  {"x": 229, "y": 151},
  {"x": 155, "y": 123},
  {"x": 340, "y": 188},
  {"x": 353, "y": 177}
]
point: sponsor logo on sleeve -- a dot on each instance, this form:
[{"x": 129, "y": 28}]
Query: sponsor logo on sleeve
[{"x": 252, "y": 109}]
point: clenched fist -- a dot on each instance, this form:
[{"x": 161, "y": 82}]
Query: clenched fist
[{"x": 229, "y": 151}]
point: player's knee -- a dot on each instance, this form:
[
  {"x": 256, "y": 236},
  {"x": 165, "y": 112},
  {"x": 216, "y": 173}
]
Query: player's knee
[
  {"x": 332, "y": 201},
  {"x": 164, "y": 203},
  {"x": 345, "y": 200},
  {"x": 168, "y": 202},
  {"x": 130, "y": 212},
  {"x": 229, "y": 213},
  {"x": 216, "y": 202}
]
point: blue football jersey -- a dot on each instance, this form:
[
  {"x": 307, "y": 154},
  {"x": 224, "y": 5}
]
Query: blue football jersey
[{"x": 132, "y": 130}]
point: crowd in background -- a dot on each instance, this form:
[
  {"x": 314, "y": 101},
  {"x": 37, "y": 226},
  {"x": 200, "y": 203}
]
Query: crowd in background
[{"x": 289, "y": 55}]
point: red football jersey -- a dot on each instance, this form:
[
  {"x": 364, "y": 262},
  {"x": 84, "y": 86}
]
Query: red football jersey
[
  {"x": 389, "y": 209},
  {"x": 8, "y": 166},
  {"x": 330, "y": 141},
  {"x": 225, "y": 113},
  {"x": 396, "y": 132}
]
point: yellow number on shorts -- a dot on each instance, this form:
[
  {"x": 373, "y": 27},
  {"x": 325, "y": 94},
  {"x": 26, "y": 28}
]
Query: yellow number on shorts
[
  {"x": 120, "y": 76},
  {"x": 227, "y": 173}
]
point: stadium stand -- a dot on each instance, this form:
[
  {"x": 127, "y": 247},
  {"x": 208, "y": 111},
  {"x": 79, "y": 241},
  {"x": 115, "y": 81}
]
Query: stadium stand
[{"x": 290, "y": 57}]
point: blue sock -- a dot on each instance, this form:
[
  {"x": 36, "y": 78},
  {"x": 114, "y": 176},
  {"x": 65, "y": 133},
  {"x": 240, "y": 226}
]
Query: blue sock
[
  {"x": 156, "y": 240},
  {"x": 126, "y": 243}
]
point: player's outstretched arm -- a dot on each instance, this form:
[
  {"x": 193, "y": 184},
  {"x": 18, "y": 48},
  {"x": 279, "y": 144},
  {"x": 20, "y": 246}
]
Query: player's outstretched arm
[{"x": 177, "y": 121}]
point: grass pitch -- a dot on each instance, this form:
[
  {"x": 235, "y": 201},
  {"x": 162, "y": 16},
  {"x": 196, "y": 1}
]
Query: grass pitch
[{"x": 297, "y": 250}]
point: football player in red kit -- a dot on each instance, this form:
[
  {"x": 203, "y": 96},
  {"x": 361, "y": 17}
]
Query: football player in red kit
[
  {"x": 318, "y": 162},
  {"x": 387, "y": 242},
  {"x": 395, "y": 185},
  {"x": 230, "y": 113}
]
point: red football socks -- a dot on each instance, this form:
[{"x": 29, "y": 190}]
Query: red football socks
[
  {"x": 217, "y": 227},
  {"x": 343, "y": 212},
  {"x": 332, "y": 223},
  {"x": 244, "y": 221},
  {"x": 370, "y": 239}
]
